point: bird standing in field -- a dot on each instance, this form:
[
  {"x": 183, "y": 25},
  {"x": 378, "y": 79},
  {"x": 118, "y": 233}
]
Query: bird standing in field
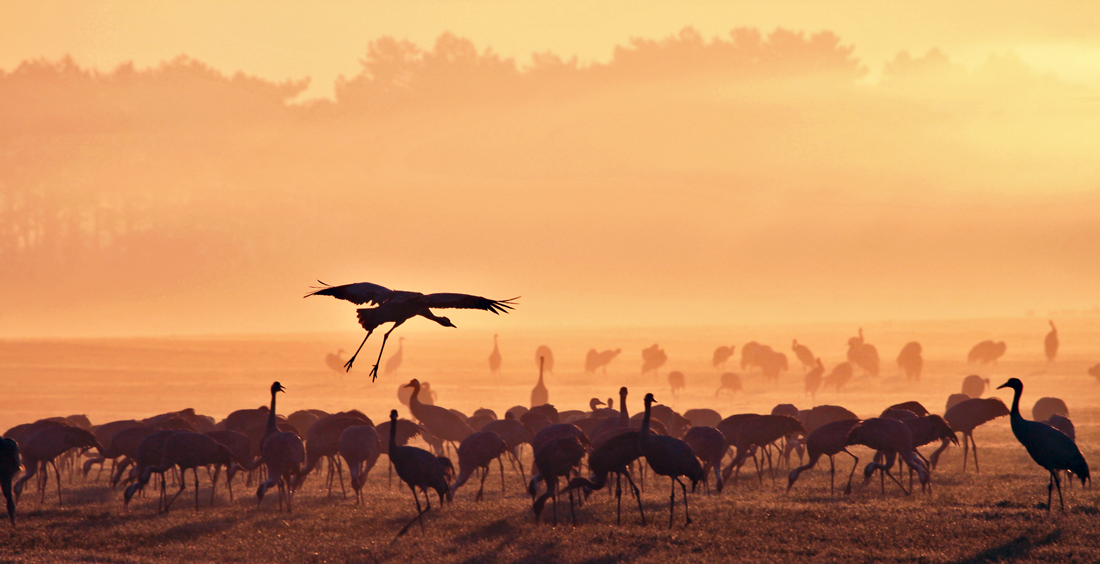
[
  {"x": 964, "y": 417},
  {"x": 911, "y": 361},
  {"x": 394, "y": 362},
  {"x": 805, "y": 356},
  {"x": 397, "y": 307},
  {"x": 539, "y": 394},
  {"x": 670, "y": 457},
  {"x": 721, "y": 355},
  {"x": 1050, "y": 344},
  {"x": 494, "y": 357},
  {"x": 1048, "y": 447}
]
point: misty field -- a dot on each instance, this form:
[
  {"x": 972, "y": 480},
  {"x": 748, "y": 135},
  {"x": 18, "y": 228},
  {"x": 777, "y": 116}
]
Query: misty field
[{"x": 998, "y": 515}]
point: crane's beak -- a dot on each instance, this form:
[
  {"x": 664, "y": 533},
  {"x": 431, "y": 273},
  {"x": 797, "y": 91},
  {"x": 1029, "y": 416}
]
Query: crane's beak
[{"x": 1005, "y": 385}]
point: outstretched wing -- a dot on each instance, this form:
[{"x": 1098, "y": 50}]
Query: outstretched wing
[
  {"x": 466, "y": 301},
  {"x": 358, "y": 294}
]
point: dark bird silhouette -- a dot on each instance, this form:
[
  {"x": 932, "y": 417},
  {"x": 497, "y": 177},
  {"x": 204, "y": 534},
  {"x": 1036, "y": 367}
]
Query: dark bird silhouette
[
  {"x": 804, "y": 355},
  {"x": 1050, "y": 343},
  {"x": 283, "y": 454},
  {"x": 514, "y": 435},
  {"x": 703, "y": 417},
  {"x": 1048, "y": 447},
  {"x": 710, "y": 445},
  {"x": 829, "y": 440},
  {"x": 613, "y": 456},
  {"x": 188, "y": 451},
  {"x": 478, "y": 451},
  {"x": 553, "y": 460},
  {"x": 910, "y": 361},
  {"x": 750, "y": 354},
  {"x": 721, "y": 355},
  {"x": 9, "y": 466},
  {"x": 974, "y": 385},
  {"x": 397, "y": 307},
  {"x": 494, "y": 357},
  {"x": 149, "y": 453},
  {"x": 677, "y": 382},
  {"x": 890, "y": 437},
  {"x": 126, "y": 444},
  {"x": 440, "y": 422},
  {"x": 596, "y": 360},
  {"x": 241, "y": 448},
  {"x": 813, "y": 379},
  {"x": 863, "y": 355},
  {"x": 653, "y": 358},
  {"x": 914, "y": 406},
  {"x": 427, "y": 394},
  {"x": 1046, "y": 407},
  {"x": 986, "y": 352},
  {"x": 394, "y": 362},
  {"x": 966, "y": 416},
  {"x": 421, "y": 469},
  {"x": 335, "y": 361},
  {"x": 670, "y": 457},
  {"x": 323, "y": 440},
  {"x": 539, "y": 394},
  {"x": 1095, "y": 371},
  {"x": 41, "y": 450},
  {"x": 955, "y": 399},
  {"x": 840, "y": 376},
  {"x": 759, "y": 432},
  {"x": 406, "y": 431},
  {"x": 824, "y": 414},
  {"x": 359, "y": 446},
  {"x": 105, "y": 434},
  {"x": 772, "y": 363},
  {"x": 729, "y": 382},
  {"x": 545, "y": 357}
]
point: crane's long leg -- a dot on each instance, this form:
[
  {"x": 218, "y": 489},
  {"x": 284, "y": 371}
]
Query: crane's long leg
[
  {"x": 848, "y": 489},
  {"x": 637, "y": 494},
  {"x": 500, "y": 461},
  {"x": 347, "y": 365},
  {"x": 832, "y": 475},
  {"x": 374, "y": 371},
  {"x": 196, "y": 471},
  {"x": 671, "y": 502},
  {"x": 977, "y": 470},
  {"x": 966, "y": 448},
  {"x": 687, "y": 512}
]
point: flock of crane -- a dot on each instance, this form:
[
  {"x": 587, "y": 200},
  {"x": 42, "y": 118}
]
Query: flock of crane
[{"x": 615, "y": 446}]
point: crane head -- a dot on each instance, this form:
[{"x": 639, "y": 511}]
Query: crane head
[
  {"x": 649, "y": 399},
  {"x": 277, "y": 387},
  {"x": 393, "y": 416},
  {"x": 446, "y": 322},
  {"x": 1013, "y": 383}
]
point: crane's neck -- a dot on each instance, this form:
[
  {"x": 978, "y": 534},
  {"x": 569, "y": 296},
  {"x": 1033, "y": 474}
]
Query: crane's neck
[
  {"x": 1015, "y": 414},
  {"x": 624, "y": 417},
  {"x": 414, "y": 399},
  {"x": 393, "y": 433},
  {"x": 271, "y": 427},
  {"x": 643, "y": 436}
]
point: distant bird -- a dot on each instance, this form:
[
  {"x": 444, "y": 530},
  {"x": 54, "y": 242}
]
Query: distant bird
[
  {"x": 494, "y": 357},
  {"x": 40, "y": 450},
  {"x": 478, "y": 451},
  {"x": 813, "y": 379},
  {"x": 335, "y": 361},
  {"x": 613, "y": 456},
  {"x": 545, "y": 356},
  {"x": 829, "y": 440},
  {"x": 729, "y": 382},
  {"x": 1048, "y": 447},
  {"x": 359, "y": 446},
  {"x": 1095, "y": 371},
  {"x": 721, "y": 355},
  {"x": 750, "y": 354},
  {"x": 910, "y": 361},
  {"x": 802, "y": 352},
  {"x": 891, "y": 437},
  {"x": 863, "y": 355},
  {"x": 955, "y": 399},
  {"x": 421, "y": 469},
  {"x": 772, "y": 363},
  {"x": 394, "y": 362},
  {"x": 653, "y": 358},
  {"x": 840, "y": 376},
  {"x": 670, "y": 457},
  {"x": 427, "y": 394},
  {"x": 9, "y": 466},
  {"x": 539, "y": 394},
  {"x": 1050, "y": 343},
  {"x": 986, "y": 352},
  {"x": 974, "y": 385},
  {"x": 553, "y": 460},
  {"x": 710, "y": 445},
  {"x": 676, "y": 382},
  {"x": 283, "y": 454},
  {"x": 966, "y": 416},
  {"x": 398, "y": 306},
  {"x": 1046, "y": 407},
  {"x": 596, "y": 360},
  {"x": 438, "y": 421}
]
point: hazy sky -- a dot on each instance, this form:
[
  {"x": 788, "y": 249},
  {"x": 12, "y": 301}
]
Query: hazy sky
[{"x": 285, "y": 39}]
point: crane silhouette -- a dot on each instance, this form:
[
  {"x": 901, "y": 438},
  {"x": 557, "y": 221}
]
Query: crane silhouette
[
  {"x": 397, "y": 307},
  {"x": 1045, "y": 407},
  {"x": 670, "y": 457},
  {"x": 442, "y": 423},
  {"x": 335, "y": 361},
  {"x": 830, "y": 440},
  {"x": 419, "y": 468},
  {"x": 475, "y": 452},
  {"x": 911, "y": 361},
  {"x": 892, "y": 437},
  {"x": 965, "y": 416},
  {"x": 974, "y": 385},
  {"x": 544, "y": 354},
  {"x": 188, "y": 451},
  {"x": 9, "y": 466},
  {"x": 1050, "y": 343},
  {"x": 1048, "y": 447},
  {"x": 283, "y": 454},
  {"x": 43, "y": 448},
  {"x": 805, "y": 356},
  {"x": 494, "y": 357},
  {"x": 394, "y": 362},
  {"x": 613, "y": 456},
  {"x": 539, "y": 394},
  {"x": 721, "y": 355},
  {"x": 359, "y": 445}
]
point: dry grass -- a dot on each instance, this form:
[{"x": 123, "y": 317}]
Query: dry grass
[{"x": 997, "y": 516}]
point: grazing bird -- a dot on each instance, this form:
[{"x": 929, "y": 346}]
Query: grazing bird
[
  {"x": 703, "y": 417},
  {"x": 359, "y": 446},
  {"x": 653, "y": 358},
  {"x": 105, "y": 434},
  {"x": 974, "y": 385},
  {"x": 967, "y": 416},
  {"x": 394, "y": 362},
  {"x": 750, "y": 354},
  {"x": 322, "y": 441},
  {"x": 670, "y": 457},
  {"x": 283, "y": 454},
  {"x": 730, "y": 382},
  {"x": 397, "y": 307},
  {"x": 676, "y": 382},
  {"x": 596, "y": 360},
  {"x": 188, "y": 451},
  {"x": 440, "y": 422},
  {"x": 514, "y": 435},
  {"x": 543, "y": 354},
  {"x": 804, "y": 355},
  {"x": 419, "y": 468},
  {"x": 9, "y": 466},
  {"x": 241, "y": 448},
  {"x": 710, "y": 445},
  {"x": 721, "y": 355},
  {"x": 1048, "y": 447},
  {"x": 986, "y": 352},
  {"x": 1050, "y": 343},
  {"x": 824, "y": 414},
  {"x": 613, "y": 456},
  {"x": 539, "y": 394},
  {"x": 829, "y": 440},
  {"x": 1046, "y": 407},
  {"x": 43, "y": 448},
  {"x": 863, "y": 355},
  {"x": 890, "y": 437},
  {"x": 494, "y": 357},
  {"x": 478, "y": 451},
  {"x": 335, "y": 361},
  {"x": 1095, "y": 371},
  {"x": 910, "y": 361},
  {"x": 772, "y": 363},
  {"x": 759, "y": 432},
  {"x": 553, "y": 460},
  {"x": 840, "y": 376},
  {"x": 813, "y": 379}
]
